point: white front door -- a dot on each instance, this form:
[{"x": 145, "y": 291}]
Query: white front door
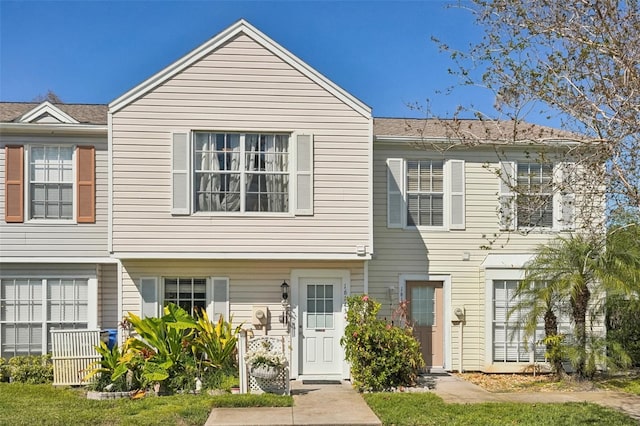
[{"x": 321, "y": 326}]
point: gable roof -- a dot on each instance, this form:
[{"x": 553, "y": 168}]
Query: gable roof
[
  {"x": 240, "y": 27},
  {"x": 46, "y": 111},
  {"x": 16, "y": 112},
  {"x": 446, "y": 130}
]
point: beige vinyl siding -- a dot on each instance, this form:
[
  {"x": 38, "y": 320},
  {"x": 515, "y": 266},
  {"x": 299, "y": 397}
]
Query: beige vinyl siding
[
  {"x": 108, "y": 296},
  {"x": 440, "y": 252},
  {"x": 62, "y": 239},
  {"x": 250, "y": 282},
  {"x": 240, "y": 87}
]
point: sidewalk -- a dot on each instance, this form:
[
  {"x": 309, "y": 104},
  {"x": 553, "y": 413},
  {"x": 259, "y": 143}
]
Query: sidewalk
[
  {"x": 313, "y": 405},
  {"x": 342, "y": 405}
]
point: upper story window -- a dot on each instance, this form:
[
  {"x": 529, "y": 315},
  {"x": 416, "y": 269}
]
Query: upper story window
[
  {"x": 51, "y": 181},
  {"x": 241, "y": 172},
  {"x": 535, "y": 195},
  {"x": 425, "y": 193}
]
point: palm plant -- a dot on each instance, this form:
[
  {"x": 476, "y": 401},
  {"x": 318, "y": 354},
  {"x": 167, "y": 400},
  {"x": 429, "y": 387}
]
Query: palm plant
[{"x": 575, "y": 273}]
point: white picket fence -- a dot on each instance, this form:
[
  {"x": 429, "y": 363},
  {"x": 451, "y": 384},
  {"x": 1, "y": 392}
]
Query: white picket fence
[{"x": 71, "y": 353}]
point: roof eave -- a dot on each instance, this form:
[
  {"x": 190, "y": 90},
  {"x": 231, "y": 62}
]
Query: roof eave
[
  {"x": 457, "y": 141},
  {"x": 67, "y": 129}
]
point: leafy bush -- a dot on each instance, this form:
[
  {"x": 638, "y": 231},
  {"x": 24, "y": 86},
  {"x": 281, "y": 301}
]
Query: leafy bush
[
  {"x": 171, "y": 353},
  {"x": 110, "y": 373},
  {"x": 623, "y": 325},
  {"x": 217, "y": 341},
  {"x": 30, "y": 369},
  {"x": 4, "y": 370},
  {"x": 382, "y": 356}
]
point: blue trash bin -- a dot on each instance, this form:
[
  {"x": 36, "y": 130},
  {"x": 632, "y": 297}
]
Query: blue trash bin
[{"x": 109, "y": 336}]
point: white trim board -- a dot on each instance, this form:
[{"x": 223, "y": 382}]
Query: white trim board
[
  {"x": 241, "y": 256},
  {"x": 47, "y": 108},
  {"x": 66, "y": 260}
]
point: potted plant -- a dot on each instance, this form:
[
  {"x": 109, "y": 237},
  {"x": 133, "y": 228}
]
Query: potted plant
[{"x": 265, "y": 363}]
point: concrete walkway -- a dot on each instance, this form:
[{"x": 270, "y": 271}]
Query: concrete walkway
[
  {"x": 312, "y": 405},
  {"x": 341, "y": 405}
]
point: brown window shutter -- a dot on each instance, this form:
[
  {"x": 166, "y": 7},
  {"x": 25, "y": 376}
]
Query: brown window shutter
[
  {"x": 14, "y": 184},
  {"x": 86, "y": 174}
]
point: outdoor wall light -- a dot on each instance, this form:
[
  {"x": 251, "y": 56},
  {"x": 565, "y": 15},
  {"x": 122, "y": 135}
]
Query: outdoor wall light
[
  {"x": 285, "y": 291},
  {"x": 284, "y": 316}
]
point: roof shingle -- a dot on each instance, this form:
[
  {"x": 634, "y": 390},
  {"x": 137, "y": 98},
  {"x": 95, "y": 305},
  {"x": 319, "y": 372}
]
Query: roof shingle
[
  {"x": 472, "y": 130},
  {"x": 83, "y": 113}
]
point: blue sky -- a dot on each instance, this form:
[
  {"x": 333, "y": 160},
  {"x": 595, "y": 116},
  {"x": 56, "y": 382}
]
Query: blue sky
[{"x": 93, "y": 51}]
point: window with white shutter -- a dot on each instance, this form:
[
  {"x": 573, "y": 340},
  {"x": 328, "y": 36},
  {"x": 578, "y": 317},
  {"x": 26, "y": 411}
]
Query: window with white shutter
[
  {"x": 220, "y": 298},
  {"x": 457, "y": 194},
  {"x": 180, "y": 200},
  {"x": 395, "y": 192},
  {"x": 507, "y": 199},
  {"x": 149, "y": 297},
  {"x": 565, "y": 199},
  {"x": 303, "y": 179}
]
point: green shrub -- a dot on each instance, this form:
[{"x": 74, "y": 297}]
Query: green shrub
[
  {"x": 175, "y": 350},
  {"x": 220, "y": 378},
  {"x": 623, "y": 326},
  {"x": 30, "y": 369},
  {"x": 4, "y": 370},
  {"x": 382, "y": 356}
]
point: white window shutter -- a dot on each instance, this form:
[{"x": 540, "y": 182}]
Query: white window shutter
[
  {"x": 507, "y": 196},
  {"x": 395, "y": 193},
  {"x": 457, "y": 193},
  {"x": 219, "y": 298},
  {"x": 303, "y": 175},
  {"x": 564, "y": 213},
  {"x": 180, "y": 174},
  {"x": 149, "y": 297}
]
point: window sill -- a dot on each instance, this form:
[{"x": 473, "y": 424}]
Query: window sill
[
  {"x": 261, "y": 215},
  {"x": 50, "y": 222},
  {"x": 426, "y": 228}
]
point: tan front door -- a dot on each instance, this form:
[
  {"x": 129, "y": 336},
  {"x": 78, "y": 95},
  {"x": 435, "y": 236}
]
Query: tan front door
[{"x": 426, "y": 316}]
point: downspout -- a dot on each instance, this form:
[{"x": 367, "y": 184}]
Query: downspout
[
  {"x": 366, "y": 277},
  {"x": 460, "y": 326},
  {"x": 120, "y": 302},
  {"x": 109, "y": 182}
]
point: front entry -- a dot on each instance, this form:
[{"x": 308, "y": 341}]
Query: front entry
[
  {"x": 426, "y": 315},
  {"x": 320, "y": 326}
]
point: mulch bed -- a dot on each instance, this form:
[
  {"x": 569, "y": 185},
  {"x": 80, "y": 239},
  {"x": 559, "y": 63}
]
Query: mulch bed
[{"x": 525, "y": 383}]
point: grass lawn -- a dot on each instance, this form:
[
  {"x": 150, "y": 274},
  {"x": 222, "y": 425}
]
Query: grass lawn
[
  {"x": 627, "y": 382},
  {"x": 429, "y": 409},
  {"x": 45, "y": 405}
]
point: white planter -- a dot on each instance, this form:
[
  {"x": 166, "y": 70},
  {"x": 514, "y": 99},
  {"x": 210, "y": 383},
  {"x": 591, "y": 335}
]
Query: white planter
[{"x": 264, "y": 372}]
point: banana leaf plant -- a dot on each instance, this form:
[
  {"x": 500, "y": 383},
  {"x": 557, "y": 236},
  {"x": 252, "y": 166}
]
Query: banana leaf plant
[
  {"x": 217, "y": 341},
  {"x": 164, "y": 343}
]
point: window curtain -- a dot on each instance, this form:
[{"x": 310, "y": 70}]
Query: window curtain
[
  {"x": 218, "y": 183},
  {"x": 276, "y": 162}
]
